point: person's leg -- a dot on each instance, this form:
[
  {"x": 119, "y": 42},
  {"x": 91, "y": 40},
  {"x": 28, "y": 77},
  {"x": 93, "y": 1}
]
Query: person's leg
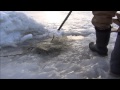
[
  {"x": 102, "y": 40},
  {"x": 115, "y": 57},
  {"x": 102, "y": 21}
]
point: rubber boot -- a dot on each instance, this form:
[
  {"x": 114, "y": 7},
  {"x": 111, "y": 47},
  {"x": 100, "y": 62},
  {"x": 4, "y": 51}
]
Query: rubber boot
[{"x": 102, "y": 40}]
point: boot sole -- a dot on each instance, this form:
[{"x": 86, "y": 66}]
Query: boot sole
[{"x": 95, "y": 50}]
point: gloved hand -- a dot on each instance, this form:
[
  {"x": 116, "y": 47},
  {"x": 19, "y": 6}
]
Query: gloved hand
[{"x": 117, "y": 21}]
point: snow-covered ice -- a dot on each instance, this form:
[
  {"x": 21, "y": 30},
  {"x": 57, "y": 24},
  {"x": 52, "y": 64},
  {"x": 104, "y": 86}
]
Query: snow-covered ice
[
  {"x": 15, "y": 25},
  {"x": 75, "y": 61}
]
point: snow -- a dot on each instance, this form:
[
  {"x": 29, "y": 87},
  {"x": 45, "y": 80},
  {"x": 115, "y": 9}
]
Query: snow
[
  {"x": 73, "y": 61},
  {"x": 15, "y": 25}
]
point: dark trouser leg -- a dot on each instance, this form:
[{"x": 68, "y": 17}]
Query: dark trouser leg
[{"x": 115, "y": 57}]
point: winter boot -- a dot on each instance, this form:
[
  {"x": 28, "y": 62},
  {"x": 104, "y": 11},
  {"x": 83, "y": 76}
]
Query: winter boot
[
  {"x": 115, "y": 57},
  {"x": 102, "y": 40}
]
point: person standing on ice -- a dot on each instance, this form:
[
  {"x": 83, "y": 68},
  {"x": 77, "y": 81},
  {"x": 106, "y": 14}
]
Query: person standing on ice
[{"x": 102, "y": 21}]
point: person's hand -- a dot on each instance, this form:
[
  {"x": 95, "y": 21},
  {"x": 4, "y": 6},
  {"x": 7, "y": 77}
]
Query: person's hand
[{"x": 117, "y": 21}]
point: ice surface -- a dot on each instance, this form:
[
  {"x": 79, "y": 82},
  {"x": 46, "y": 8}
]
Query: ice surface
[
  {"x": 75, "y": 61},
  {"x": 15, "y": 25}
]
